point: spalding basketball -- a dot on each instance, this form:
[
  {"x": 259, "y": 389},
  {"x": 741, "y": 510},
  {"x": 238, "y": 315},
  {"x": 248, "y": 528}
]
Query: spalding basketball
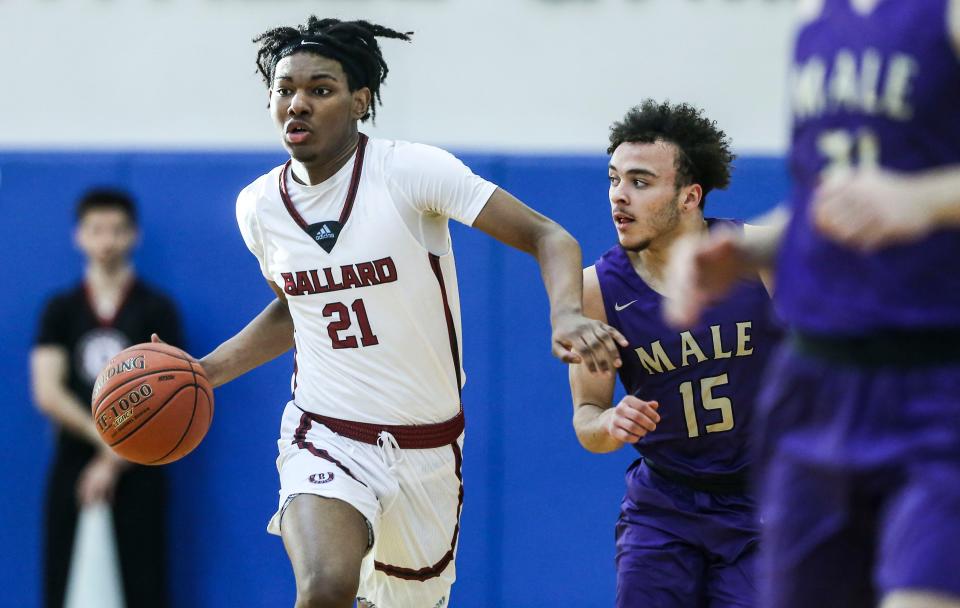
[{"x": 152, "y": 403}]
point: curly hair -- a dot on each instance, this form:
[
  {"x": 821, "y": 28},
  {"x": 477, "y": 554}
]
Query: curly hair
[
  {"x": 352, "y": 43},
  {"x": 703, "y": 150}
]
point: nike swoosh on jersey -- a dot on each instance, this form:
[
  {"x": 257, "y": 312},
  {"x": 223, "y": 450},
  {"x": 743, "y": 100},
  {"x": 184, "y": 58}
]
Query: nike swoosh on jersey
[{"x": 618, "y": 308}]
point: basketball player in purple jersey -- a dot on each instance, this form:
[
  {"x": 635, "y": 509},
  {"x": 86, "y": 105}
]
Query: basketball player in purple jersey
[
  {"x": 687, "y": 536},
  {"x": 861, "y": 429}
]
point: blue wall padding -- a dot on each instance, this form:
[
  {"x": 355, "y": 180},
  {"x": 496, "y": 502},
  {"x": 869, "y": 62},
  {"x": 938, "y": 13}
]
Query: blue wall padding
[{"x": 539, "y": 510}]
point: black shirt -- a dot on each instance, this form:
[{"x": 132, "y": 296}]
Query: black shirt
[{"x": 69, "y": 321}]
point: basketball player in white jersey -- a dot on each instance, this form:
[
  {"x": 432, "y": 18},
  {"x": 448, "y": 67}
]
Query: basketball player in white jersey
[{"x": 351, "y": 233}]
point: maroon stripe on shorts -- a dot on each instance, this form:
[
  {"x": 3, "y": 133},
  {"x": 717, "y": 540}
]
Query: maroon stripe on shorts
[
  {"x": 451, "y": 327},
  {"x": 293, "y": 392},
  {"x": 300, "y": 440},
  {"x": 409, "y": 437},
  {"x": 428, "y": 572}
]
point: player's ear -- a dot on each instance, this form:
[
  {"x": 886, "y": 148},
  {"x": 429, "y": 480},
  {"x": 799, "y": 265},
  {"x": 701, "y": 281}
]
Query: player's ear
[
  {"x": 361, "y": 102},
  {"x": 691, "y": 197}
]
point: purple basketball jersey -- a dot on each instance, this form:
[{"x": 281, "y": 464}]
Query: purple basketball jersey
[
  {"x": 704, "y": 379},
  {"x": 871, "y": 87}
]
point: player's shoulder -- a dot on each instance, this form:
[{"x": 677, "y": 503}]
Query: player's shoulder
[
  {"x": 400, "y": 155},
  {"x": 612, "y": 258},
  {"x": 259, "y": 190},
  {"x": 64, "y": 296},
  {"x": 400, "y": 148},
  {"x": 612, "y": 267},
  {"x": 65, "y": 299}
]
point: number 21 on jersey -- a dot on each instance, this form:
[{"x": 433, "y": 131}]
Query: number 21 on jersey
[
  {"x": 341, "y": 320},
  {"x": 844, "y": 150}
]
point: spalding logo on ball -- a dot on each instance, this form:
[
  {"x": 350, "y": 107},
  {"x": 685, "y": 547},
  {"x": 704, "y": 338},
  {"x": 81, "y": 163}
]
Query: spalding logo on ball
[{"x": 152, "y": 403}]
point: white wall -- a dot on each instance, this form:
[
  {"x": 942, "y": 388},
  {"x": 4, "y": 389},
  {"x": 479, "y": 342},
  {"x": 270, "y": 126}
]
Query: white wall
[{"x": 510, "y": 75}]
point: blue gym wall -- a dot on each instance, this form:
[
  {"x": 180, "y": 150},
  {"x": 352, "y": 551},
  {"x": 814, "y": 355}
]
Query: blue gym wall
[{"x": 539, "y": 511}]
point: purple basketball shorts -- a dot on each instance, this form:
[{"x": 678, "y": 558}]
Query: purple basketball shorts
[
  {"x": 682, "y": 548},
  {"x": 860, "y": 481}
]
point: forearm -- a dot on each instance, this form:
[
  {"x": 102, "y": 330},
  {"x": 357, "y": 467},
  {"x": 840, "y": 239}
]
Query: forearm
[
  {"x": 48, "y": 373},
  {"x": 72, "y": 415},
  {"x": 266, "y": 337},
  {"x": 590, "y": 425},
  {"x": 560, "y": 266},
  {"x": 939, "y": 191},
  {"x": 760, "y": 242}
]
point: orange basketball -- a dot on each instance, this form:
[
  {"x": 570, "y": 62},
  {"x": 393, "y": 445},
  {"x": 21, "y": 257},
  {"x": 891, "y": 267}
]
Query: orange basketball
[{"x": 152, "y": 403}]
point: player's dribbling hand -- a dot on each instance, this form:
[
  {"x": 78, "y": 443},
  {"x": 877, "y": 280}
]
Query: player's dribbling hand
[
  {"x": 869, "y": 209},
  {"x": 579, "y": 339},
  {"x": 632, "y": 419},
  {"x": 155, "y": 339},
  {"x": 701, "y": 270}
]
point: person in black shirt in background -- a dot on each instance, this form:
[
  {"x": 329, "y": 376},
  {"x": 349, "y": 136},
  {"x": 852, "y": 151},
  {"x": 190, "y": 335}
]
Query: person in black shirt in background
[{"x": 81, "y": 329}]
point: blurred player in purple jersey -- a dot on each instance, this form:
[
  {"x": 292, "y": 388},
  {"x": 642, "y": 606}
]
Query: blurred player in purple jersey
[
  {"x": 861, "y": 417},
  {"x": 686, "y": 536}
]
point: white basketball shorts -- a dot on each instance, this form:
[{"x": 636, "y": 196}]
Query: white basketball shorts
[{"x": 406, "y": 481}]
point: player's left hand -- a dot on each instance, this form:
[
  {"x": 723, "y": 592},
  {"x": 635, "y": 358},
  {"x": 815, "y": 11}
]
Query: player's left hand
[
  {"x": 869, "y": 210},
  {"x": 98, "y": 480},
  {"x": 702, "y": 268},
  {"x": 579, "y": 339}
]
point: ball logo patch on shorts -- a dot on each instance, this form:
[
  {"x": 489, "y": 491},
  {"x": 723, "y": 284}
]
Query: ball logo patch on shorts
[{"x": 321, "y": 477}]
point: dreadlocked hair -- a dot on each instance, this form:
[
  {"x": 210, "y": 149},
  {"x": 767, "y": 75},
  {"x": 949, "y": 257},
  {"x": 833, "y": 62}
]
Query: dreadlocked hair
[
  {"x": 703, "y": 150},
  {"x": 352, "y": 43}
]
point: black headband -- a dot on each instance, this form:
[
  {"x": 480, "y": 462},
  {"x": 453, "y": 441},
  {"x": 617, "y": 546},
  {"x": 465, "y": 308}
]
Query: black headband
[{"x": 328, "y": 47}]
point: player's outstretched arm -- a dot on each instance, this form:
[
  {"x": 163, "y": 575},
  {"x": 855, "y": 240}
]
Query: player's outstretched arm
[
  {"x": 576, "y": 338},
  {"x": 870, "y": 209},
  {"x": 266, "y": 337},
  {"x": 600, "y": 427},
  {"x": 703, "y": 268}
]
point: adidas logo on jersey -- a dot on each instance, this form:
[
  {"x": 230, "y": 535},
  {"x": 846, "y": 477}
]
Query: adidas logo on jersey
[{"x": 325, "y": 233}]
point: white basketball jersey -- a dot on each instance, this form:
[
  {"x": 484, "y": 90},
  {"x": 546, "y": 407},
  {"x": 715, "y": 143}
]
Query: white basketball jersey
[{"x": 376, "y": 315}]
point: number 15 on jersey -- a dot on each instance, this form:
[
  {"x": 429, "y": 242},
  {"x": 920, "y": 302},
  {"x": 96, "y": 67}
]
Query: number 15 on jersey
[{"x": 710, "y": 402}]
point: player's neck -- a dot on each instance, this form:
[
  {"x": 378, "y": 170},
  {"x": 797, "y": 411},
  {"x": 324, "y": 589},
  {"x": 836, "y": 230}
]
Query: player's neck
[
  {"x": 311, "y": 173},
  {"x": 652, "y": 263},
  {"x": 108, "y": 280}
]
